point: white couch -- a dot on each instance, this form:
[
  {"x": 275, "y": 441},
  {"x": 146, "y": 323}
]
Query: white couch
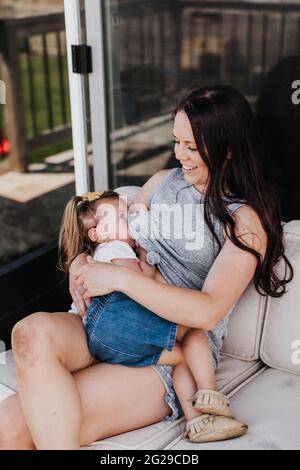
[{"x": 259, "y": 371}]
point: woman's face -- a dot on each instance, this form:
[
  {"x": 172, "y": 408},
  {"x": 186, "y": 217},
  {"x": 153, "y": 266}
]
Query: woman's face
[{"x": 194, "y": 169}]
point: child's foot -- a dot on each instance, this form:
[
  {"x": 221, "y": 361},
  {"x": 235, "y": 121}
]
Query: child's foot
[
  {"x": 209, "y": 428},
  {"x": 211, "y": 402}
]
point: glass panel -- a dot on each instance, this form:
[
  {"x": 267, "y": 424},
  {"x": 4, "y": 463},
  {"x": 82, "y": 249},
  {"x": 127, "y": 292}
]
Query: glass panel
[
  {"x": 155, "y": 50},
  {"x": 36, "y": 157}
]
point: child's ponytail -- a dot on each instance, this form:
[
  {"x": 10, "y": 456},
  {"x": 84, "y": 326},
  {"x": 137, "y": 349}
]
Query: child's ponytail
[
  {"x": 78, "y": 217},
  {"x": 70, "y": 241}
]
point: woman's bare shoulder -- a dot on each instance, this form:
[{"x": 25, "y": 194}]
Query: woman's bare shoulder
[
  {"x": 249, "y": 228},
  {"x": 147, "y": 189}
]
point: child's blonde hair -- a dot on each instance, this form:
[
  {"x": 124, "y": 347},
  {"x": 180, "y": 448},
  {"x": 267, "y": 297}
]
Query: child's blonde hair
[{"x": 78, "y": 218}]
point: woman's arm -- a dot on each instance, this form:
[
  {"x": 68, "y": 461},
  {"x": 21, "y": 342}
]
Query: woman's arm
[
  {"x": 75, "y": 291},
  {"x": 138, "y": 266},
  {"x": 227, "y": 279}
]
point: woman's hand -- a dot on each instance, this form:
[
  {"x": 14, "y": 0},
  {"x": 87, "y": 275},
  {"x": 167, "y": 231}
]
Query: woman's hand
[
  {"x": 98, "y": 278},
  {"x": 77, "y": 293}
]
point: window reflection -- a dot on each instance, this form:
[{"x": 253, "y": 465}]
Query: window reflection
[{"x": 157, "y": 50}]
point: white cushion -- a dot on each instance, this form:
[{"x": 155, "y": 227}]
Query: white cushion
[
  {"x": 269, "y": 405},
  {"x": 129, "y": 191},
  {"x": 232, "y": 372},
  {"x": 157, "y": 436},
  {"x": 245, "y": 326},
  {"x": 8, "y": 370},
  {"x": 5, "y": 392},
  {"x": 280, "y": 346}
]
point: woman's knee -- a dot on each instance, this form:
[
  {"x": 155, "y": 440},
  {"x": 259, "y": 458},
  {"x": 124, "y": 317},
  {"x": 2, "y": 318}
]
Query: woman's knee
[{"x": 32, "y": 335}]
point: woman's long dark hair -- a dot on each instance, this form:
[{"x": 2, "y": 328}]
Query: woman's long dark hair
[{"x": 222, "y": 121}]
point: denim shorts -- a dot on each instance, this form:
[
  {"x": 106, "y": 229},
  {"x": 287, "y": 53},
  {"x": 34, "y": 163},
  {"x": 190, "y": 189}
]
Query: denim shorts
[
  {"x": 121, "y": 331},
  {"x": 165, "y": 374}
]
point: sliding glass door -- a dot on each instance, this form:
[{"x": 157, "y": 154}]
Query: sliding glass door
[{"x": 147, "y": 53}]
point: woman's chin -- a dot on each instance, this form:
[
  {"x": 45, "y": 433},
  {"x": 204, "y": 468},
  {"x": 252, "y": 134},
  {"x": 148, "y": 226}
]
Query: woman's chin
[{"x": 191, "y": 178}]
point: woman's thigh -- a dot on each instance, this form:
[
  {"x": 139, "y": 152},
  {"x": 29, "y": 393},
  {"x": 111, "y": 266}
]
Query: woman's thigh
[{"x": 115, "y": 399}]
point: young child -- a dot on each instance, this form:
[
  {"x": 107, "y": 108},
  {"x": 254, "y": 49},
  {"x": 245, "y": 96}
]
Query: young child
[{"x": 124, "y": 332}]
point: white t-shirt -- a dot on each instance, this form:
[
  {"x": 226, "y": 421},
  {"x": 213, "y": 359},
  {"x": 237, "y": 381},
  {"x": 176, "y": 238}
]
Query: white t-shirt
[
  {"x": 106, "y": 252},
  {"x": 115, "y": 249}
]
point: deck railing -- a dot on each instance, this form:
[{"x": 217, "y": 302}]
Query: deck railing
[{"x": 34, "y": 69}]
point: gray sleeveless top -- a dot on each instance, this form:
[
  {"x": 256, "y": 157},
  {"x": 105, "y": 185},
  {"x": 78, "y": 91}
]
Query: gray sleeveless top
[{"x": 178, "y": 240}]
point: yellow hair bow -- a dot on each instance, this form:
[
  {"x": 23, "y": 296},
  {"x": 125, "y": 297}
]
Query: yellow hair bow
[{"x": 92, "y": 196}]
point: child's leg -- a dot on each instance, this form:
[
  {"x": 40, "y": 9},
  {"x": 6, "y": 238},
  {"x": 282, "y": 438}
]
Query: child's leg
[
  {"x": 195, "y": 350},
  {"x": 185, "y": 387},
  {"x": 195, "y": 370},
  {"x": 171, "y": 358},
  {"x": 174, "y": 357},
  {"x": 194, "y": 367},
  {"x": 198, "y": 356}
]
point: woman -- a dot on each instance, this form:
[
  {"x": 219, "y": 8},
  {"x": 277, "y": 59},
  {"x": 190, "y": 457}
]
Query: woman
[{"x": 65, "y": 400}]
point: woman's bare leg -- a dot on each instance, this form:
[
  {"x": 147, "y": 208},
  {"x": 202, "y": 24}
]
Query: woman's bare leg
[
  {"x": 119, "y": 399},
  {"x": 14, "y": 432},
  {"x": 47, "y": 348},
  {"x": 115, "y": 399}
]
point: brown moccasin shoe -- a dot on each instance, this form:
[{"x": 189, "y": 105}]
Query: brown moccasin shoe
[
  {"x": 211, "y": 402},
  {"x": 209, "y": 428}
]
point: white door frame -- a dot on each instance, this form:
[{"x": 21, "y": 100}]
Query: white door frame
[
  {"x": 77, "y": 98},
  {"x": 94, "y": 17}
]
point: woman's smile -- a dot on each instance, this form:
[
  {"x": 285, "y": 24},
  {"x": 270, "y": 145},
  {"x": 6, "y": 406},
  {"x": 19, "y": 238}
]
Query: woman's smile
[
  {"x": 188, "y": 169},
  {"x": 186, "y": 152}
]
